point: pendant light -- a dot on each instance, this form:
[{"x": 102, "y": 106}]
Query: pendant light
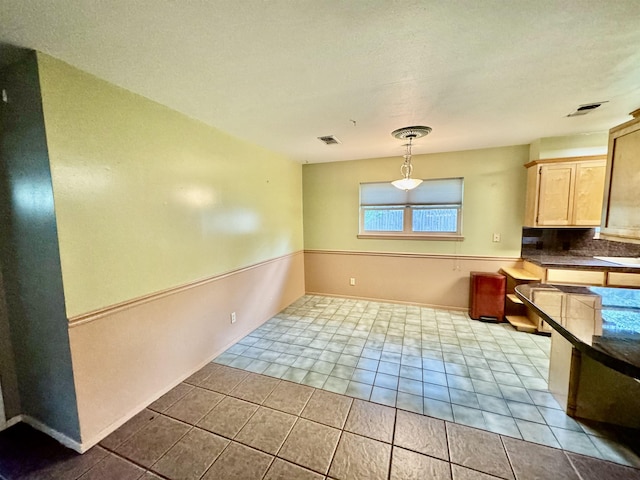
[{"x": 406, "y": 182}]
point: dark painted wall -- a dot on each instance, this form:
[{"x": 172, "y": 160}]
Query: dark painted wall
[{"x": 29, "y": 256}]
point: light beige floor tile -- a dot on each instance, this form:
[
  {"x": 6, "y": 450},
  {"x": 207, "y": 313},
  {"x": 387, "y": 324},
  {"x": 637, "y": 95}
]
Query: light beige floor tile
[
  {"x": 113, "y": 467},
  {"x": 371, "y": 420},
  {"x": 289, "y": 397},
  {"x": 594, "y": 469},
  {"x": 266, "y": 430},
  {"x": 191, "y": 456},
  {"x": 202, "y": 374},
  {"x": 239, "y": 462},
  {"x": 255, "y": 388},
  {"x": 171, "y": 397},
  {"x": 406, "y": 465},
  {"x": 310, "y": 445},
  {"x": 532, "y": 461},
  {"x": 463, "y": 473},
  {"x": 360, "y": 458},
  {"x": 194, "y": 405},
  {"x": 327, "y": 408},
  {"x": 223, "y": 379},
  {"x": 282, "y": 470},
  {"x": 149, "y": 444},
  {"x": 422, "y": 434},
  {"x": 228, "y": 417},
  {"x": 478, "y": 449}
]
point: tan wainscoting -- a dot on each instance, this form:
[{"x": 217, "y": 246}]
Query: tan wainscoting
[
  {"x": 435, "y": 280},
  {"x": 127, "y": 356}
]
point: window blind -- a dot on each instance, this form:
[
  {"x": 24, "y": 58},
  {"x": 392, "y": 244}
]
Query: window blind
[{"x": 442, "y": 191}]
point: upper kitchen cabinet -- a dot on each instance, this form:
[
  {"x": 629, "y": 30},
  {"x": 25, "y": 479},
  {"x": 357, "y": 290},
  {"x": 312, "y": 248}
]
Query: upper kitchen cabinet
[
  {"x": 621, "y": 209},
  {"x": 565, "y": 192}
]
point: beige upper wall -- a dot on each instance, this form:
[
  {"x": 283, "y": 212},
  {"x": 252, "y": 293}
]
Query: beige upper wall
[
  {"x": 147, "y": 199},
  {"x": 494, "y": 193},
  {"x": 582, "y": 145}
]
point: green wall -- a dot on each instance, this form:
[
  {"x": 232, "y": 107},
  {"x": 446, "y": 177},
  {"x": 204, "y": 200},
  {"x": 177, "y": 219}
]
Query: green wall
[
  {"x": 30, "y": 259},
  {"x": 494, "y": 194},
  {"x": 148, "y": 199}
]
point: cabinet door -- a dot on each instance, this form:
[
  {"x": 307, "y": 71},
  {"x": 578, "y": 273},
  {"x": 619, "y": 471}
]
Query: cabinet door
[
  {"x": 555, "y": 198},
  {"x": 588, "y": 193},
  {"x": 621, "y": 220}
]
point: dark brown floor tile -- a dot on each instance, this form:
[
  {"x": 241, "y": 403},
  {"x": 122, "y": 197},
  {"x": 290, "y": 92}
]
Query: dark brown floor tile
[
  {"x": 406, "y": 465},
  {"x": 422, "y": 434},
  {"x": 132, "y": 426},
  {"x": 281, "y": 470},
  {"x": 149, "y": 444},
  {"x": 371, "y": 420},
  {"x": 113, "y": 467},
  {"x": 327, "y": 408},
  {"x": 463, "y": 473},
  {"x": 255, "y": 388},
  {"x": 171, "y": 397},
  {"x": 202, "y": 374},
  {"x": 223, "y": 379},
  {"x": 289, "y": 397},
  {"x": 194, "y": 405},
  {"x": 239, "y": 462},
  {"x": 228, "y": 417},
  {"x": 531, "y": 461},
  {"x": 191, "y": 456},
  {"x": 360, "y": 458},
  {"x": 266, "y": 430},
  {"x": 311, "y": 445},
  {"x": 60, "y": 463},
  {"x": 591, "y": 468},
  {"x": 478, "y": 449}
]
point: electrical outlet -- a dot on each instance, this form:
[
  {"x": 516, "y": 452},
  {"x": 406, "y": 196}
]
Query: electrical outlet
[
  {"x": 496, "y": 237},
  {"x": 352, "y": 281},
  {"x": 233, "y": 317}
]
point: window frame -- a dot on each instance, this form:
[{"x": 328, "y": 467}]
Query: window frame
[{"x": 408, "y": 209}]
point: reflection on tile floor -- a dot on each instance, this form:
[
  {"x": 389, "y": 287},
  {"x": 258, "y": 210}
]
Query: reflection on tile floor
[{"x": 434, "y": 362}]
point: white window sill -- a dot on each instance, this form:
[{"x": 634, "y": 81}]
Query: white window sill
[{"x": 391, "y": 236}]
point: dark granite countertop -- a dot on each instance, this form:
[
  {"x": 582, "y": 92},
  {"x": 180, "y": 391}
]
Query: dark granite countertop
[
  {"x": 601, "y": 322},
  {"x": 575, "y": 262}
]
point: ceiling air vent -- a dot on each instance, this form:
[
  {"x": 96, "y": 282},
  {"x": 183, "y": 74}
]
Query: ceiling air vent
[
  {"x": 586, "y": 108},
  {"x": 329, "y": 140}
]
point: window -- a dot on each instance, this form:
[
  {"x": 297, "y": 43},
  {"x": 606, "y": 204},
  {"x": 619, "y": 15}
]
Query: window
[{"x": 431, "y": 210}]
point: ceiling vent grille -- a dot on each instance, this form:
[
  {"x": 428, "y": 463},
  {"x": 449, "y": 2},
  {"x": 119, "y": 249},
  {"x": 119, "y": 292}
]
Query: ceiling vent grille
[
  {"x": 586, "y": 108},
  {"x": 329, "y": 140}
]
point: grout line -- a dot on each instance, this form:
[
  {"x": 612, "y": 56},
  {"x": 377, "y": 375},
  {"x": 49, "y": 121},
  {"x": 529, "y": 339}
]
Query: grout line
[
  {"x": 506, "y": 452},
  {"x": 393, "y": 439}
]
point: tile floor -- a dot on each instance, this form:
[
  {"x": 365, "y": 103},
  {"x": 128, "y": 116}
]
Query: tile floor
[
  {"x": 226, "y": 423},
  {"x": 230, "y": 423},
  {"x": 434, "y": 362}
]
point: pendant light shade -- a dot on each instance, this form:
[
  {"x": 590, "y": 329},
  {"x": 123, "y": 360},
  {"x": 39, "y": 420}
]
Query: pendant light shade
[
  {"x": 406, "y": 169},
  {"x": 406, "y": 183}
]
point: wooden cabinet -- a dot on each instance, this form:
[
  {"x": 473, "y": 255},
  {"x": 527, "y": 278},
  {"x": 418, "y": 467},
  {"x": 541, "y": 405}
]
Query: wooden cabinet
[
  {"x": 575, "y": 277},
  {"x": 565, "y": 192},
  {"x": 621, "y": 209},
  {"x": 623, "y": 279}
]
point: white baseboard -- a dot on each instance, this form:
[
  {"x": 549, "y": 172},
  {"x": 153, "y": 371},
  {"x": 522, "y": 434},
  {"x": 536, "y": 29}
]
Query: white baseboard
[{"x": 11, "y": 422}]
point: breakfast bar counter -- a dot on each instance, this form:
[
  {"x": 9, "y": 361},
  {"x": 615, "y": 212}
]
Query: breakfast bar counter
[
  {"x": 595, "y": 348},
  {"x": 601, "y": 322}
]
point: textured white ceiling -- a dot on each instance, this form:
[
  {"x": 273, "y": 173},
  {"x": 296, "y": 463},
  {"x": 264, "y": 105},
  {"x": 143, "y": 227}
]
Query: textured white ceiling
[{"x": 280, "y": 73}]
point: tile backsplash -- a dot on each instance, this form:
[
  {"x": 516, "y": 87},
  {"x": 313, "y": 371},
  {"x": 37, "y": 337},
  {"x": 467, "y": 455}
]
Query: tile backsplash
[{"x": 579, "y": 242}]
